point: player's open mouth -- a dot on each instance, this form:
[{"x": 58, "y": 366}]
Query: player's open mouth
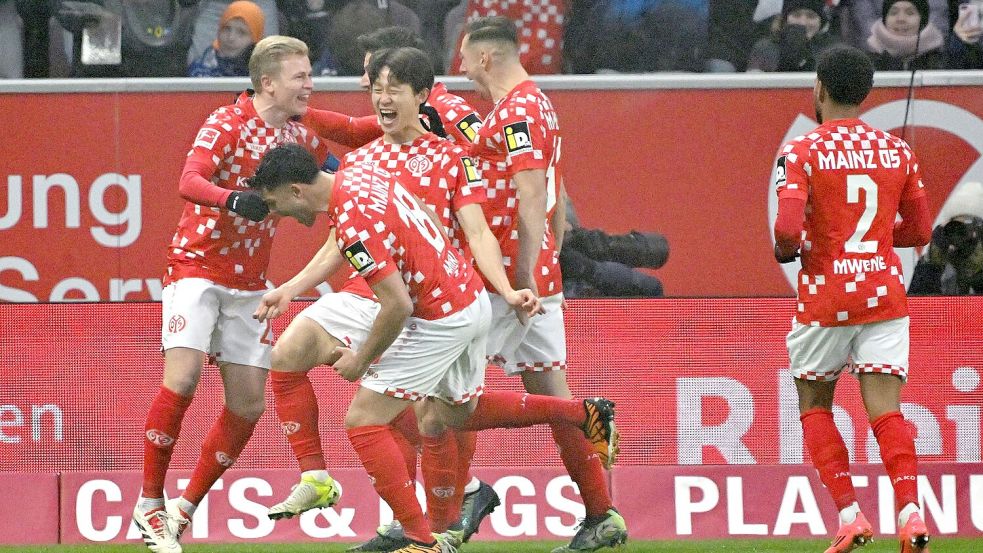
[{"x": 387, "y": 115}]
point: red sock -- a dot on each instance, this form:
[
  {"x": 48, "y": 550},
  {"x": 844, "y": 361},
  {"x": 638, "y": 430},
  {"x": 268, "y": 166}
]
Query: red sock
[
  {"x": 584, "y": 468},
  {"x": 161, "y": 432},
  {"x": 498, "y": 409},
  {"x": 439, "y": 468},
  {"x": 829, "y": 455},
  {"x": 379, "y": 455},
  {"x": 296, "y": 407},
  {"x": 466, "y": 444},
  {"x": 407, "y": 437},
  {"x": 223, "y": 443},
  {"x": 898, "y": 454}
]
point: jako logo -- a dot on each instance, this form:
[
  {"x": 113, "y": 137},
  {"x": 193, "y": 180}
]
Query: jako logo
[
  {"x": 290, "y": 427},
  {"x": 223, "y": 459},
  {"x": 158, "y": 438}
]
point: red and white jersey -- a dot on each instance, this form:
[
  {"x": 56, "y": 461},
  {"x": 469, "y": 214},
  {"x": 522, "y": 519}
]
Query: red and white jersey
[
  {"x": 432, "y": 169},
  {"x": 460, "y": 120},
  {"x": 540, "y": 25},
  {"x": 853, "y": 177},
  {"x": 382, "y": 229},
  {"x": 520, "y": 133},
  {"x": 212, "y": 242}
]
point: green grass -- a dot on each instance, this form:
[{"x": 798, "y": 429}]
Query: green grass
[{"x": 946, "y": 545}]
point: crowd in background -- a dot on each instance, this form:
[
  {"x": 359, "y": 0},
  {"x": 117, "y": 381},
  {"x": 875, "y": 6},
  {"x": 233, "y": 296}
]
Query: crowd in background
[{"x": 173, "y": 38}]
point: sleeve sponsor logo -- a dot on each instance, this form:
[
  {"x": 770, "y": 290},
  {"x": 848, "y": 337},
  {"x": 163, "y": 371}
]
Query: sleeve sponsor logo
[
  {"x": 206, "y": 138},
  {"x": 359, "y": 257},
  {"x": 470, "y": 126},
  {"x": 517, "y": 138},
  {"x": 470, "y": 171},
  {"x": 780, "y": 171}
]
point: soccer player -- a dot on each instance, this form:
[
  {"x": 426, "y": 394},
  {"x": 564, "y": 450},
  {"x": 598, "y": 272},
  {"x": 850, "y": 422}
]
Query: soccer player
[
  {"x": 840, "y": 188},
  {"x": 427, "y": 166},
  {"x": 518, "y": 149},
  {"x": 433, "y": 311},
  {"x": 215, "y": 277}
]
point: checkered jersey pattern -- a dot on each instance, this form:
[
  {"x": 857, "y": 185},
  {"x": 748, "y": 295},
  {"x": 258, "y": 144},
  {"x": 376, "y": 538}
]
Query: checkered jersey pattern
[
  {"x": 521, "y": 132},
  {"x": 381, "y": 229},
  {"x": 432, "y": 169},
  {"x": 853, "y": 177},
  {"x": 460, "y": 120},
  {"x": 212, "y": 242},
  {"x": 540, "y": 24}
]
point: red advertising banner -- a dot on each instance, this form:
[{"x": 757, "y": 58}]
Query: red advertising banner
[
  {"x": 695, "y": 382},
  {"x": 89, "y": 197},
  {"x": 707, "y": 502}
]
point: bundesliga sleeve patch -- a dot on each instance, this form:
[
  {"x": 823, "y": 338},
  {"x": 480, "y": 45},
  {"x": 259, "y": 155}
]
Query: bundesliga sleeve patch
[
  {"x": 780, "y": 171},
  {"x": 206, "y": 138},
  {"x": 470, "y": 126},
  {"x": 359, "y": 257},
  {"x": 470, "y": 171},
  {"x": 517, "y": 138}
]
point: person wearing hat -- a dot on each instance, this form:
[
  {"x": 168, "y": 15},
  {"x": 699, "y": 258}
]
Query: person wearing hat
[
  {"x": 240, "y": 28},
  {"x": 857, "y": 18},
  {"x": 798, "y": 37},
  {"x": 903, "y": 38}
]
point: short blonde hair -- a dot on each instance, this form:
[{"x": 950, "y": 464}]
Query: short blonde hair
[{"x": 269, "y": 52}]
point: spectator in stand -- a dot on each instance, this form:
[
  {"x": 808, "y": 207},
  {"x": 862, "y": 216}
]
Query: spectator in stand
[
  {"x": 858, "y": 17},
  {"x": 154, "y": 36},
  {"x": 341, "y": 54},
  {"x": 11, "y": 41},
  {"x": 797, "y": 39},
  {"x": 733, "y": 27},
  {"x": 540, "y": 24},
  {"x": 904, "y": 38},
  {"x": 965, "y": 50},
  {"x": 309, "y": 20},
  {"x": 636, "y": 36},
  {"x": 953, "y": 263},
  {"x": 207, "y": 23},
  {"x": 240, "y": 28}
]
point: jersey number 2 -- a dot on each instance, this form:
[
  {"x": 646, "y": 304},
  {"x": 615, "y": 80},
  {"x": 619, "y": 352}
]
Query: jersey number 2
[{"x": 854, "y": 184}]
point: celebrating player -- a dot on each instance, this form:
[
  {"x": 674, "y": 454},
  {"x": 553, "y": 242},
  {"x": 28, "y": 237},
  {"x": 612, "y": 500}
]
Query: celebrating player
[
  {"x": 433, "y": 311},
  {"x": 840, "y": 188},
  {"x": 518, "y": 149},
  {"x": 215, "y": 277}
]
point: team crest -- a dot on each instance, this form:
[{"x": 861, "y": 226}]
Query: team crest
[
  {"x": 419, "y": 165},
  {"x": 470, "y": 126},
  {"x": 359, "y": 257},
  {"x": 517, "y": 138},
  {"x": 176, "y": 324}
]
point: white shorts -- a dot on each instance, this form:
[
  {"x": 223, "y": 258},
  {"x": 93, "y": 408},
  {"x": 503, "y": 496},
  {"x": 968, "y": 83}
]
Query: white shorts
[
  {"x": 444, "y": 358},
  {"x": 202, "y": 315},
  {"x": 540, "y": 345},
  {"x": 823, "y": 352},
  {"x": 346, "y": 317}
]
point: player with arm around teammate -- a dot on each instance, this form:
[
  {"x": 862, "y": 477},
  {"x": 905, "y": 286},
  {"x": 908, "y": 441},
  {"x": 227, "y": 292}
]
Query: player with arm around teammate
[
  {"x": 518, "y": 149},
  {"x": 840, "y": 188},
  {"x": 433, "y": 311},
  {"x": 216, "y": 274}
]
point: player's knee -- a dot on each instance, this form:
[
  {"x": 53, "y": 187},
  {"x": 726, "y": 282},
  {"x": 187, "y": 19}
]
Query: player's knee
[
  {"x": 290, "y": 356},
  {"x": 250, "y": 410},
  {"x": 431, "y": 424}
]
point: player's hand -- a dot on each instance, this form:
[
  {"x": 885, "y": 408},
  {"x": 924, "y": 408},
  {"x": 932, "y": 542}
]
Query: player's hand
[
  {"x": 525, "y": 303},
  {"x": 249, "y": 205},
  {"x": 785, "y": 256},
  {"x": 273, "y": 304},
  {"x": 347, "y": 366}
]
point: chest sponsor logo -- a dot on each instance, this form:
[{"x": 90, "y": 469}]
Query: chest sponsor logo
[
  {"x": 419, "y": 165},
  {"x": 359, "y": 257},
  {"x": 517, "y": 138},
  {"x": 206, "y": 138}
]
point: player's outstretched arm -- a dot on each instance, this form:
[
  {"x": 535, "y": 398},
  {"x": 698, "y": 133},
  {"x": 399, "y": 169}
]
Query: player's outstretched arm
[
  {"x": 325, "y": 262},
  {"x": 488, "y": 256},
  {"x": 395, "y": 306},
  {"x": 531, "y": 184},
  {"x": 343, "y": 129}
]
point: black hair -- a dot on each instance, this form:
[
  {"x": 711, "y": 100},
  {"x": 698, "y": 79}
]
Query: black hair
[
  {"x": 285, "y": 164},
  {"x": 847, "y": 73},
  {"x": 495, "y": 28},
  {"x": 389, "y": 37},
  {"x": 408, "y": 66}
]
